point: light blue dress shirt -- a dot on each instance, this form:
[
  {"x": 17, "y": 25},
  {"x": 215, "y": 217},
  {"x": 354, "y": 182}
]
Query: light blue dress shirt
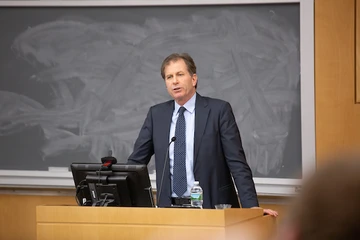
[{"x": 189, "y": 115}]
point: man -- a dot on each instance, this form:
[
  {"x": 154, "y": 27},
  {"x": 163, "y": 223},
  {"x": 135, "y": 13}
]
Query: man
[{"x": 207, "y": 148}]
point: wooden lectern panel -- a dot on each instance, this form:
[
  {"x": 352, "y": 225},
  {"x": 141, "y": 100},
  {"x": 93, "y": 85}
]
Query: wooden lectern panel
[
  {"x": 128, "y": 232},
  {"x": 72, "y": 222}
]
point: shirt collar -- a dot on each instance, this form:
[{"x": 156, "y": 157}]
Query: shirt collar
[{"x": 189, "y": 105}]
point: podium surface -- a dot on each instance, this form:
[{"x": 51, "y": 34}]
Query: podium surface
[{"x": 80, "y": 223}]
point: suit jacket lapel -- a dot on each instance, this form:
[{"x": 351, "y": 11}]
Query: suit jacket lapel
[
  {"x": 201, "y": 116},
  {"x": 165, "y": 128},
  {"x": 164, "y": 132}
]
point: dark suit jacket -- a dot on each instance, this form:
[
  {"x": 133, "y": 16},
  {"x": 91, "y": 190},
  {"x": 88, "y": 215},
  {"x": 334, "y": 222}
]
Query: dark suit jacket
[{"x": 218, "y": 153}]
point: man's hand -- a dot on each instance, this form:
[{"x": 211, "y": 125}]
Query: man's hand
[
  {"x": 271, "y": 212},
  {"x": 268, "y": 212}
]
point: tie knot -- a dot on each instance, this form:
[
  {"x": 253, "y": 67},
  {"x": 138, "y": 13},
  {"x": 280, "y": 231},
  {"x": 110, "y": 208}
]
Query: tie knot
[{"x": 181, "y": 110}]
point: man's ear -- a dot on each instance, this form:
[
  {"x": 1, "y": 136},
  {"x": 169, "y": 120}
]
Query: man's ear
[{"x": 194, "y": 79}]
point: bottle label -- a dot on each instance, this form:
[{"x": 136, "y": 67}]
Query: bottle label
[{"x": 196, "y": 196}]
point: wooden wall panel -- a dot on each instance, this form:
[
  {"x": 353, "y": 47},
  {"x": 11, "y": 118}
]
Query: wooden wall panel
[
  {"x": 357, "y": 41},
  {"x": 17, "y": 214},
  {"x": 337, "y": 115}
]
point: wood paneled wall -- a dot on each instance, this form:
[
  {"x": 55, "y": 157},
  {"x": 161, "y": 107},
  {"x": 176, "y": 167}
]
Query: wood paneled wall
[
  {"x": 337, "y": 115},
  {"x": 357, "y": 49},
  {"x": 17, "y": 214}
]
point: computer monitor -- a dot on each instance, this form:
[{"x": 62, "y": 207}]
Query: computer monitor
[{"x": 121, "y": 185}]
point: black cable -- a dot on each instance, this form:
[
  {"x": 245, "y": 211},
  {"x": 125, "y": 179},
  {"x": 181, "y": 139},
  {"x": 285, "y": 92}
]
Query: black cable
[
  {"x": 99, "y": 179},
  {"x": 79, "y": 187},
  {"x": 103, "y": 202}
]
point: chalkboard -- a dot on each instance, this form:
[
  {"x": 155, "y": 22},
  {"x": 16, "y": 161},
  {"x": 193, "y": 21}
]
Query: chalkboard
[{"x": 76, "y": 82}]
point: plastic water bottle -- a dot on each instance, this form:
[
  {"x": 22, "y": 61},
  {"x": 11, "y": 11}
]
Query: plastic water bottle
[{"x": 196, "y": 195}]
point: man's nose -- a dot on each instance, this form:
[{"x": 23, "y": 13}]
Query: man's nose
[{"x": 175, "y": 80}]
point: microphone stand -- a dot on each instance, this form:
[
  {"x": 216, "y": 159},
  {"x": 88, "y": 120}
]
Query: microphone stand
[{"x": 173, "y": 139}]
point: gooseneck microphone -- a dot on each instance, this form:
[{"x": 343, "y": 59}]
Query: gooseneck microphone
[{"x": 173, "y": 139}]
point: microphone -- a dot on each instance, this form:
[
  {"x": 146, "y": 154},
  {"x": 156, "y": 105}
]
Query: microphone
[
  {"x": 173, "y": 139},
  {"x": 108, "y": 161}
]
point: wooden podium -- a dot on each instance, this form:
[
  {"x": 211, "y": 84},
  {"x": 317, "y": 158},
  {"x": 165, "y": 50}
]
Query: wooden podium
[{"x": 88, "y": 223}]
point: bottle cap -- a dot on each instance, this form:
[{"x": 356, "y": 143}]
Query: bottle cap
[{"x": 196, "y": 182}]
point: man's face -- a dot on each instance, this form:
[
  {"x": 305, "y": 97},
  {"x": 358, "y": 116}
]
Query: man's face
[{"x": 179, "y": 83}]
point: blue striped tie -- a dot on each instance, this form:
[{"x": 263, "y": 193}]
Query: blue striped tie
[{"x": 179, "y": 174}]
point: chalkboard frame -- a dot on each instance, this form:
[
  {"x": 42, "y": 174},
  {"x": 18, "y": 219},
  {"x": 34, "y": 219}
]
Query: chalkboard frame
[{"x": 264, "y": 186}]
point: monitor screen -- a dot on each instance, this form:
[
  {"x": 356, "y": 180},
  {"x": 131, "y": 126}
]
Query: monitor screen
[{"x": 121, "y": 185}]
